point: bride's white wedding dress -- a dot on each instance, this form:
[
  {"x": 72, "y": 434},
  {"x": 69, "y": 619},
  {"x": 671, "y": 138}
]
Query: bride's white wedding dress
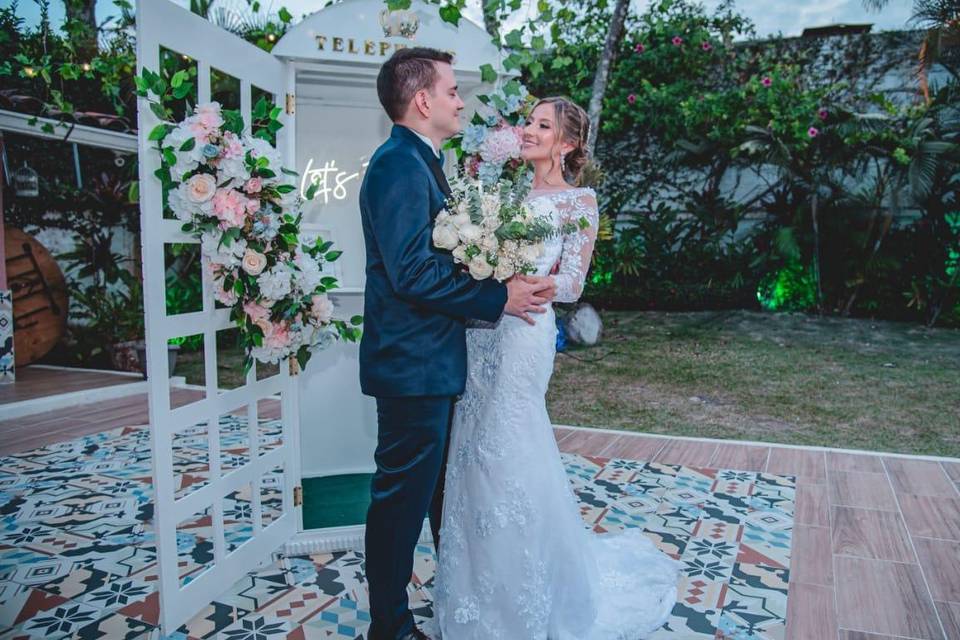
[{"x": 516, "y": 561}]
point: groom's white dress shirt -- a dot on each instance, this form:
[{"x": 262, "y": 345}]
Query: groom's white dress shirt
[{"x": 428, "y": 142}]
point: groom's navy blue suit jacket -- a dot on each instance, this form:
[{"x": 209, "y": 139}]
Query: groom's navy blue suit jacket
[{"x": 417, "y": 299}]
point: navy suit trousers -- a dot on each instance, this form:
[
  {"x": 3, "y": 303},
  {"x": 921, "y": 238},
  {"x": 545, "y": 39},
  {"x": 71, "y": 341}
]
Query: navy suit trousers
[{"x": 413, "y": 434}]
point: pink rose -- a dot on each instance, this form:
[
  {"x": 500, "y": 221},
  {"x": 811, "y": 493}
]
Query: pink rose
[
  {"x": 767, "y": 81},
  {"x": 253, "y": 185},
  {"x": 254, "y": 262},
  {"x": 706, "y": 46},
  {"x": 677, "y": 41},
  {"x": 256, "y": 312},
  {"x": 201, "y": 188},
  {"x": 639, "y": 48},
  {"x": 813, "y": 132},
  {"x": 631, "y": 98}
]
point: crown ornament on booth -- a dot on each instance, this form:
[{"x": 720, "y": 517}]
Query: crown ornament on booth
[{"x": 399, "y": 23}]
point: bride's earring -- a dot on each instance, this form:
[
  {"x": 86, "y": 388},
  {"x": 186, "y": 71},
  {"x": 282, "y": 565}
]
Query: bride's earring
[{"x": 563, "y": 163}]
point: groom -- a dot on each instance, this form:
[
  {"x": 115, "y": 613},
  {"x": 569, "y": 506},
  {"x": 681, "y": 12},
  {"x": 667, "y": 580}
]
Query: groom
[{"x": 413, "y": 353}]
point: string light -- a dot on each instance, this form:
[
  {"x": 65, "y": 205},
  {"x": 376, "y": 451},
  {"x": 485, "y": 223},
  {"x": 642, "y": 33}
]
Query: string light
[
  {"x": 29, "y": 71},
  {"x": 271, "y": 37},
  {"x": 86, "y": 66}
]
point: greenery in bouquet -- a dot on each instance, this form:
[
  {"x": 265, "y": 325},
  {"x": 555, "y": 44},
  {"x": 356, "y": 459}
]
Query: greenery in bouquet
[
  {"x": 492, "y": 230},
  {"x": 488, "y": 148}
]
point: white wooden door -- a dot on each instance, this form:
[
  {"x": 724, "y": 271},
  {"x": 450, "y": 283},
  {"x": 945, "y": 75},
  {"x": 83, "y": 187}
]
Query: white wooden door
[{"x": 224, "y": 483}]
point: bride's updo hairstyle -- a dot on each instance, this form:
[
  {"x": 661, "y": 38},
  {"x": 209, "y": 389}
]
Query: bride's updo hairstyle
[{"x": 574, "y": 127}]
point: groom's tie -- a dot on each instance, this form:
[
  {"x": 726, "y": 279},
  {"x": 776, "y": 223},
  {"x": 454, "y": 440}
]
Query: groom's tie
[{"x": 436, "y": 166}]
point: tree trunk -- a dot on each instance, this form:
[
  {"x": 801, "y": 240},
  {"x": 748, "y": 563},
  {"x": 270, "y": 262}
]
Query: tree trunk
[
  {"x": 614, "y": 35},
  {"x": 816, "y": 251},
  {"x": 83, "y": 12}
]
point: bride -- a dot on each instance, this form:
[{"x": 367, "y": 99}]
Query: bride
[{"x": 515, "y": 560}]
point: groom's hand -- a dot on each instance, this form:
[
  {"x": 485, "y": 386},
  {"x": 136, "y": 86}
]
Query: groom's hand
[{"x": 526, "y": 294}]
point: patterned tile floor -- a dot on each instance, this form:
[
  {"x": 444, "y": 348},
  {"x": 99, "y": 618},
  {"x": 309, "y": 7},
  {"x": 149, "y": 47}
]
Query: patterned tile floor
[{"x": 77, "y": 557}]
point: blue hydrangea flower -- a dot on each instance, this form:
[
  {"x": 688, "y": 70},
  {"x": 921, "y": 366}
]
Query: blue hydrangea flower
[
  {"x": 211, "y": 150},
  {"x": 473, "y": 137},
  {"x": 489, "y": 173},
  {"x": 513, "y": 104}
]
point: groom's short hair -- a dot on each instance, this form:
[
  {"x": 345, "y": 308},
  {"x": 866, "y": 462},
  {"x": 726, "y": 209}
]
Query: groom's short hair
[{"x": 406, "y": 72}]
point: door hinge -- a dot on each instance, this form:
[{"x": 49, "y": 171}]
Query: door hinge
[
  {"x": 298, "y": 496},
  {"x": 291, "y": 103}
]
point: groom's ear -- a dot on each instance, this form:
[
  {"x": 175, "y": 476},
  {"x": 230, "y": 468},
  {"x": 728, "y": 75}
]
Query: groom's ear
[{"x": 421, "y": 102}]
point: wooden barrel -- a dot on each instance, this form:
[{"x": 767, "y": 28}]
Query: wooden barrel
[{"x": 40, "y": 300}]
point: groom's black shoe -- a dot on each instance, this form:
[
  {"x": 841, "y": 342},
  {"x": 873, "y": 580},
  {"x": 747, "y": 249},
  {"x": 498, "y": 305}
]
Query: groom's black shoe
[{"x": 416, "y": 634}]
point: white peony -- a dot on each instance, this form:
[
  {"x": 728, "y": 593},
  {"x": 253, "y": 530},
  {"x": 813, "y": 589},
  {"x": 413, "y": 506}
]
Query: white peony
[
  {"x": 275, "y": 283},
  {"x": 445, "y": 237},
  {"x": 460, "y": 254},
  {"x": 309, "y": 275},
  {"x": 321, "y": 308},
  {"x": 480, "y": 269},
  {"x": 219, "y": 253}
]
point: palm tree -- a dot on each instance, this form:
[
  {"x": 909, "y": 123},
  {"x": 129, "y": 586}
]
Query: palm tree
[{"x": 941, "y": 18}]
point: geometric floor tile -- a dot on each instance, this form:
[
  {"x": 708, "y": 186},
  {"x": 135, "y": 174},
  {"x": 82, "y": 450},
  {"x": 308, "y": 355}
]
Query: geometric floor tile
[{"x": 78, "y": 557}]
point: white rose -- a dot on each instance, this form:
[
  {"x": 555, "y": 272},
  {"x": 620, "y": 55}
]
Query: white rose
[
  {"x": 531, "y": 252},
  {"x": 443, "y": 217},
  {"x": 445, "y": 237},
  {"x": 201, "y": 187},
  {"x": 254, "y": 262},
  {"x": 471, "y": 234},
  {"x": 460, "y": 254},
  {"x": 504, "y": 270},
  {"x": 460, "y": 220},
  {"x": 491, "y": 223},
  {"x": 480, "y": 269},
  {"x": 489, "y": 243}
]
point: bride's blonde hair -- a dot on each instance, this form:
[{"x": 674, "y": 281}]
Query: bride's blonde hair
[{"x": 574, "y": 126}]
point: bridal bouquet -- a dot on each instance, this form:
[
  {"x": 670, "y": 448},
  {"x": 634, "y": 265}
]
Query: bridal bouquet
[
  {"x": 491, "y": 230},
  {"x": 232, "y": 194},
  {"x": 489, "y": 147}
]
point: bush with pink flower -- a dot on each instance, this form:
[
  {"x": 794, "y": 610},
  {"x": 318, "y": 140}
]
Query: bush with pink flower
[{"x": 232, "y": 194}]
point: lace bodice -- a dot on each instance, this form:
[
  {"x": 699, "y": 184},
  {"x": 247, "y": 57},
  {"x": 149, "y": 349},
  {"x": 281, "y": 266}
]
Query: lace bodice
[{"x": 572, "y": 250}]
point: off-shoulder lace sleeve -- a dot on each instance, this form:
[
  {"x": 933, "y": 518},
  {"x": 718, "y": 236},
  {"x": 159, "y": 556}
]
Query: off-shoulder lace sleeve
[{"x": 580, "y": 209}]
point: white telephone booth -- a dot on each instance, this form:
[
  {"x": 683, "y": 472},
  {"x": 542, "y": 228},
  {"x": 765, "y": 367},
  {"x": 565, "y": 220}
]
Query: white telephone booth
[{"x": 322, "y": 73}]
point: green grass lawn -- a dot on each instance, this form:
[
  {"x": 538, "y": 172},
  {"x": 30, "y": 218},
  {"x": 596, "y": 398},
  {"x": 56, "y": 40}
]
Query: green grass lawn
[{"x": 789, "y": 378}]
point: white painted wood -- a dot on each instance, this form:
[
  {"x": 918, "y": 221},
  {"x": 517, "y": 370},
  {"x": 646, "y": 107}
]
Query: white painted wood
[
  {"x": 335, "y": 539},
  {"x": 79, "y": 133},
  {"x": 163, "y": 24},
  {"x": 352, "y": 35}
]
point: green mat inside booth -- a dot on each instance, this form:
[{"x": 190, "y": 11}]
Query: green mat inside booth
[{"x": 336, "y": 501}]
